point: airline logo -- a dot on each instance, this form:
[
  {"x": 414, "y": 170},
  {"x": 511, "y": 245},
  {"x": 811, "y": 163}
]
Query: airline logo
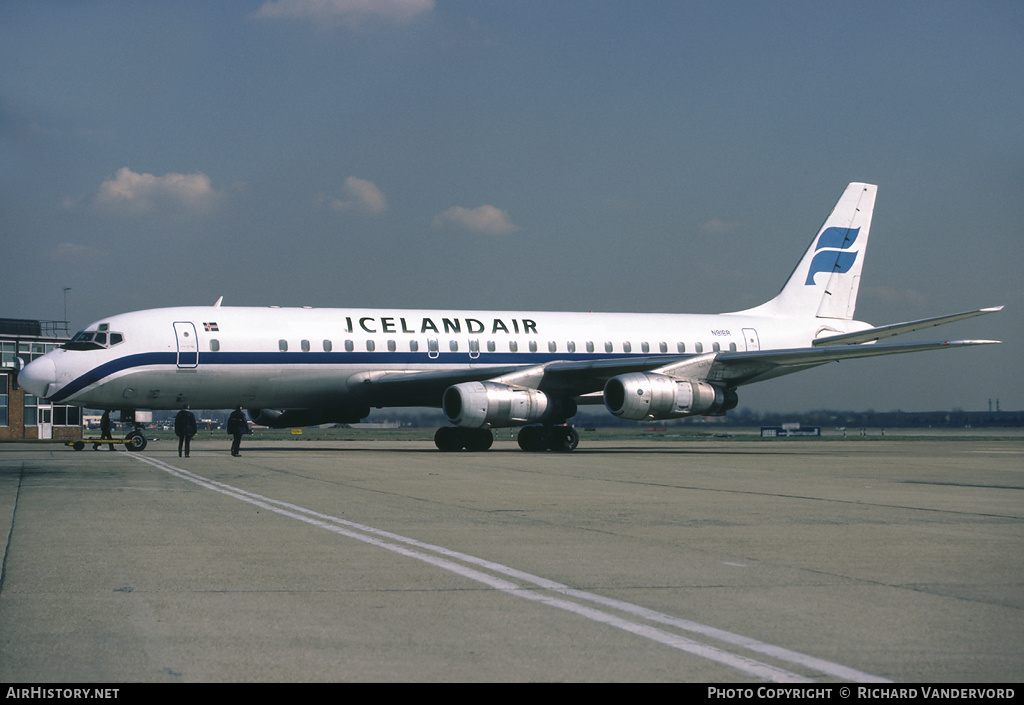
[{"x": 832, "y": 252}]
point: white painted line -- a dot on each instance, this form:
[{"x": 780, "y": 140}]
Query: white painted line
[{"x": 393, "y": 542}]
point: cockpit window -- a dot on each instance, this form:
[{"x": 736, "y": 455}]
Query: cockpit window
[{"x": 94, "y": 340}]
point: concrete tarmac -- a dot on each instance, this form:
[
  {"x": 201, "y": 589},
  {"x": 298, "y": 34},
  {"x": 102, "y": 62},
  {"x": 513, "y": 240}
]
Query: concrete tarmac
[{"x": 724, "y": 561}]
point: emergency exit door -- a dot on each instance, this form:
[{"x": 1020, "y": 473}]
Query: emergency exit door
[{"x": 751, "y": 339}]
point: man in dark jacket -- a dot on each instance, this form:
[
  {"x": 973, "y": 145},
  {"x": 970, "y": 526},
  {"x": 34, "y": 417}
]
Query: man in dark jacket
[
  {"x": 184, "y": 429},
  {"x": 104, "y": 431},
  {"x": 237, "y": 427}
]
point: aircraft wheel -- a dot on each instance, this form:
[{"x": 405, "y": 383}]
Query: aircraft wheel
[
  {"x": 136, "y": 441},
  {"x": 477, "y": 439},
  {"x": 564, "y": 439},
  {"x": 78, "y": 445},
  {"x": 447, "y": 439},
  {"x": 533, "y": 439}
]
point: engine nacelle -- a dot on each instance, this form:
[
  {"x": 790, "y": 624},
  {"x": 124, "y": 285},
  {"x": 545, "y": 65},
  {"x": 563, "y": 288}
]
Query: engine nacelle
[
  {"x": 294, "y": 418},
  {"x": 643, "y": 395},
  {"x": 480, "y": 404}
]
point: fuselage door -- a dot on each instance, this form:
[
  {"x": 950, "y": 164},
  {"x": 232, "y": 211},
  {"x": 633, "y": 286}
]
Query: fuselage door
[
  {"x": 750, "y": 337},
  {"x": 188, "y": 344}
]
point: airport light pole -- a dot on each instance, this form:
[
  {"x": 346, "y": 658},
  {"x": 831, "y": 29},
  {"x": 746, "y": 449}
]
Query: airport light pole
[{"x": 66, "y": 290}]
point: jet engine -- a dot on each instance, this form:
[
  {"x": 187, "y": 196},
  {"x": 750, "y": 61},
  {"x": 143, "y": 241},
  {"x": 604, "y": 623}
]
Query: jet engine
[
  {"x": 293, "y": 418},
  {"x": 644, "y": 395},
  {"x": 479, "y": 404}
]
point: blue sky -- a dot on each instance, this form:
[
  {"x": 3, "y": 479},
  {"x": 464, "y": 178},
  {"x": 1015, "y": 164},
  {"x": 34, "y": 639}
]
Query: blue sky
[{"x": 594, "y": 155}]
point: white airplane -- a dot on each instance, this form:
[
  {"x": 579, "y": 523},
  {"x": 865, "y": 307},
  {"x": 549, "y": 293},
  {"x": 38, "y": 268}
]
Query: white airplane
[{"x": 486, "y": 369}]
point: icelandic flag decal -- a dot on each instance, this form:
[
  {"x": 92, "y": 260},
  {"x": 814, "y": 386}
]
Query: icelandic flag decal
[{"x": 210, "y": 327}]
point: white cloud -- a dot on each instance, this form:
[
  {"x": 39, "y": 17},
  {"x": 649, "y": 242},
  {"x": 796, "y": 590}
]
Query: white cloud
[
  {"x": 485, "y": 219},
  {"x": 360, "y": 195},
  {"x": 141, "y": 192},
  {"x": 344, "y": 10},
  {"x": 720, "y": 227}
]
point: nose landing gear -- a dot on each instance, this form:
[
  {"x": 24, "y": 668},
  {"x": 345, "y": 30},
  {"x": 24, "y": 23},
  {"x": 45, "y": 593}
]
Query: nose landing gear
[{"x": 135, "y": 440}]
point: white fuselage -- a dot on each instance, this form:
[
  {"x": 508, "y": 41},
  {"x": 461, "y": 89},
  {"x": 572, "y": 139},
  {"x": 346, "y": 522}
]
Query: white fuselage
[{"x": 220, "y": 357}]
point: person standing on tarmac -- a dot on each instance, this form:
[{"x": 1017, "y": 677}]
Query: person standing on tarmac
[
  {"x": 237, "y": 427},
  {"x": 104, "y": 432},
  {"x": 184, "y": 429}
]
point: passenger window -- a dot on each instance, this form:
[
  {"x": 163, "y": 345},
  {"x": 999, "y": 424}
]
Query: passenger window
[
  {"x": 732, "y": 347},
  {"x": 627, "y": 347},
  {"x": 663, "y": 347},
  {"x": 513, "y": 346},
  {"x": 370, "y": 346},
  {"x": 214, "y": 345},
  {"x": 552, "y": 347},
  {"x": 304, "y": 345},
  {"x": 432, "y": 346},
  {"x": 533, "y": 346},
  {"x": 453, "y": 345},
  {"x": 392, "y": 346},
  {"x": 490, "y": 346},
  {"x": 681, "y": 347},
  {"x": 349, "y": 346},
  {"x": 282, "y": 345},
  {"x": 414, "y": 346},
  {"x": 608, "y": 347},
  {"x": 590, "y": 346},
  {"x": 699, "y": 347},
  {"x": 328, "y": 346},
  {"x": 716, "y": 347},
  {"x": 570, "y": 346}
]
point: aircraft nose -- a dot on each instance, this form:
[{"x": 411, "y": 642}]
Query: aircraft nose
[{"x": 37, "y": 376}]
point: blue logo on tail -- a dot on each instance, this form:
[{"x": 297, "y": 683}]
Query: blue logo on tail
[{"x": 833, "y": 259}]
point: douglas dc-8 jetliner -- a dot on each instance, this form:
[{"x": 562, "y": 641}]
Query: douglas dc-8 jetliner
[{"x": 486, "y": 369}]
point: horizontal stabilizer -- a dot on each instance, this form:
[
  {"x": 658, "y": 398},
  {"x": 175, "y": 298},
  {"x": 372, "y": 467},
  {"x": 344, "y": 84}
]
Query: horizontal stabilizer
[{"x": 872, "y": 334}]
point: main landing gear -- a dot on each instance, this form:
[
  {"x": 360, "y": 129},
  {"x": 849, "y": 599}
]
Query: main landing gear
[
  {"x": 534, "y": 439},
  {"x": 450, "y": 438}
]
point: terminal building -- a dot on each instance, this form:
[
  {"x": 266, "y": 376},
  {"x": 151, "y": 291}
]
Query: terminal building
[{"x": 24, "y": 416}]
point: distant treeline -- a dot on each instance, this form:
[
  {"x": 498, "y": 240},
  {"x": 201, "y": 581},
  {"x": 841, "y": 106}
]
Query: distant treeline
[{"x": 883, "y": 419}]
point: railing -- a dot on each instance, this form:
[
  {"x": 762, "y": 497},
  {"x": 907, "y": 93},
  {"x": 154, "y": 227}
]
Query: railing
[{"x": 54, "y": 328}]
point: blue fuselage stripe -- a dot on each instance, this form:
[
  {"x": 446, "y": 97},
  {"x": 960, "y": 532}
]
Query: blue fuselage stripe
[{"x": 385, "y": 360}]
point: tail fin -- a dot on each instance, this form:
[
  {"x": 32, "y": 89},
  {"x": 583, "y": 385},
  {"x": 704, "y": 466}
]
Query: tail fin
[{"x": 825, "y": 282}]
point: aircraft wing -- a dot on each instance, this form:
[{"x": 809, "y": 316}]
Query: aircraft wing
[
  {"x": 425, "y": 387},
  {"x": 578, "y": 378},
  {"x": 732, "y": 369},
  {"x": 866, "y": 336}
]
